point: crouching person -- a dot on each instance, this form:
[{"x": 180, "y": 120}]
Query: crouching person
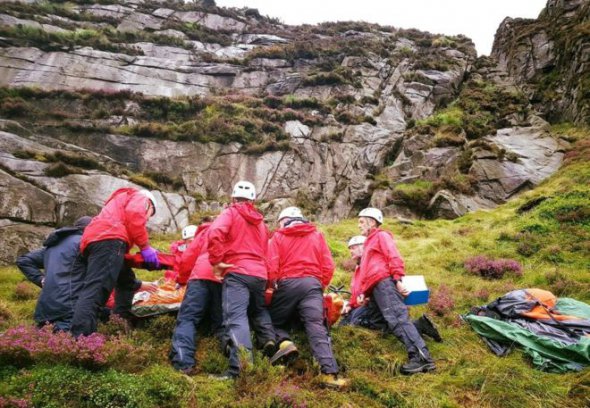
[
  {"x": 379, "y": 276},
  {"x": 61, "y": 281},
  {"x": 201, "y": 299},
  {"x": 301, "y": 264},
  {"x": 120, "y": 225},
  {"x": 238, "y": 245},
  {"x": 368, "y": 315}
]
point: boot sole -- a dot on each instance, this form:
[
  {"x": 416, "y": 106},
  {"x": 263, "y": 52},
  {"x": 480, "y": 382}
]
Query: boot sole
[
  {"x": 284, "y": 356},
  {"x": 333, "y": 386},
  {"x": 424, "y": 369}
]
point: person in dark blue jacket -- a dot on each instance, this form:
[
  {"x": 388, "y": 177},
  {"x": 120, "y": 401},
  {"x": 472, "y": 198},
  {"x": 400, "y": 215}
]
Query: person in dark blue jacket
[{"x": 64, "y": 273}]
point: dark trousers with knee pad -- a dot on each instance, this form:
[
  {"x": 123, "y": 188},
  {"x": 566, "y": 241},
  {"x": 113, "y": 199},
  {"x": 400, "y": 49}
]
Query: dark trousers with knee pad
[
  {"x": 201, "y": 299},
  {"x": 369, "y": 316},
  {"x": 390, "y": 303},
  {"x": 243, "y": 296},
  {"x": 303, "y": 297}
]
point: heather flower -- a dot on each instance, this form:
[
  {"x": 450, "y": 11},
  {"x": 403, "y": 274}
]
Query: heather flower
[
  {"x": 492, "y": 268},
  {"x": 441, "y": 302},
  {"x": 286, "y": 395},
  {"x": 9, "y": 402},
  {"x": 23, "y": 345}
]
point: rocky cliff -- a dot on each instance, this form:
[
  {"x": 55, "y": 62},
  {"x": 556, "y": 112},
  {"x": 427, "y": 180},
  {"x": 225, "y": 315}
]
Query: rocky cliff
[
  {"x": 186, "y": 99},
  {"x": 550, "y": 59}
]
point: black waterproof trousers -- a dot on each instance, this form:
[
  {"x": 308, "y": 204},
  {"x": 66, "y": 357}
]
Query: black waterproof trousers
[
  {"x": 105, "y": 270},
  {"x": 303, "y": 298},
  {"x": 390, "y": 303},
  {"x": 243, "y": 296}
]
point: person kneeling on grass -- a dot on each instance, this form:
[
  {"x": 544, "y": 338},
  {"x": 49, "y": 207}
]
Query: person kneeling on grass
[
  {"x": 62, "y": 278},
  {"x": 368, "y": 315},
  {"x": 301, "y": 264},
  {"x": 202, "y": 298},
  {"x": 238, "y": 246},
  {"x": 380, "y": 273},
  {"x": 119, "y": 226}
]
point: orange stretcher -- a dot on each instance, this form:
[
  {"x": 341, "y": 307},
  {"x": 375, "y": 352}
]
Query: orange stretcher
[{"x": 165, "y": 300}]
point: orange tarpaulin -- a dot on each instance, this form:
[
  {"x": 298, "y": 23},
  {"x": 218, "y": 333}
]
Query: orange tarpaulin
[
  {"x": 166, "y": 294},
  {"x": 544, "y": 310}
]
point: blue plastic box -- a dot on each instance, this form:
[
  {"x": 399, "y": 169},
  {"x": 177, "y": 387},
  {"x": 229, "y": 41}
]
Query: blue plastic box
[{"x": 419, "y": 292}]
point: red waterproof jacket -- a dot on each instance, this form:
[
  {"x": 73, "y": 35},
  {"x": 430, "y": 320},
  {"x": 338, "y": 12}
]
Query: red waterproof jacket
[
  {"x": 123, "y": 217},
  {"x": 240, "y": 237},
  {"x": 355, "y": 288},
  {"x": 300, "y": 251},
  {"x": 380, "y": 260},
  {"x": 195, "y": 260}
]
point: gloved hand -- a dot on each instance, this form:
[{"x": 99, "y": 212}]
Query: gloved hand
[{"x": 150, "y": 258}]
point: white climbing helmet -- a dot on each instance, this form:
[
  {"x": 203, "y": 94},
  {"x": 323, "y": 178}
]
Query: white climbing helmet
[
  {"x": 290, "y": 212},
  {"x": 373, "y": 213},
  {"x": 356, "y": 240},
  {"x": 244, "y": 189},
  {"x": 189, "y": 231},
  {"x": 151, "y": 197}
]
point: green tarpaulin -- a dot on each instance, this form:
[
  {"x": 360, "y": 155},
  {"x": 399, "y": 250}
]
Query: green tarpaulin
[{"x": 547, "y": 354}]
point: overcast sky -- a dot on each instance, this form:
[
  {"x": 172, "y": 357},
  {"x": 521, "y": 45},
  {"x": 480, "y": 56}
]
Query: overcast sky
[{"x": 477, "y": 19}]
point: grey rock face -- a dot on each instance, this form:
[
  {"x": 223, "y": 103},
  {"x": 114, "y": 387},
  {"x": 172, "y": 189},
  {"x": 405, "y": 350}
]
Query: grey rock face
[
  {"x": 533, "y": 155},
  {"x": 446, "y": 204},
  {"x": 212, "y": 21},
  {"x": 19, "y": 238},
  {"x": 21, "y": 201},
  {"x": 37, "y": 199},
  {"x": 548, "y": 59}
]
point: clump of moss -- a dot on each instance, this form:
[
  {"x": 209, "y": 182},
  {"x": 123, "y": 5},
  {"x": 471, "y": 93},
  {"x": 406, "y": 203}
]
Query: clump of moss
[
  {"x": 144, "y": 181},
  {"x": 60, "y": 170},
  {"x": 479, "y": 110},
  {"x": 416, "y": 195}
]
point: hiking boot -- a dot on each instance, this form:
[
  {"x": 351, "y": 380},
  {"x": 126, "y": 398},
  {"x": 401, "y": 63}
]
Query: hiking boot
[
  {"x": 287, "y": 352},
  {"x": 427, "y": 328},
  {"x": 417, "y": 365},
  {"x": 269, "y": 348},
  {"x": 332, "y": 381}
]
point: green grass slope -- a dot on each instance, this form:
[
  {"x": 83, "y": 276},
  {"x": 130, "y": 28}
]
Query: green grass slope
[{"x": 547, "y": 230}]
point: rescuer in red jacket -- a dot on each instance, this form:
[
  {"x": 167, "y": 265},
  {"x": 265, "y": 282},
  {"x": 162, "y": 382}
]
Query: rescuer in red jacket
[
  {"x": 201, "y": 299},
  {"x": 368, "y": 315},
  {"x": 380, "y": 273},
  {"x": 119, "y": 226},
  {"x": 238, "y": 245},
  {"x": 301, "y": 264}
]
